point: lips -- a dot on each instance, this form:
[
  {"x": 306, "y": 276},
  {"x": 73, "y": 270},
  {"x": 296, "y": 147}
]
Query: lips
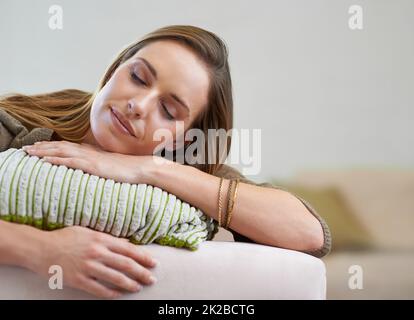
[{"x": 125, "y": 123}]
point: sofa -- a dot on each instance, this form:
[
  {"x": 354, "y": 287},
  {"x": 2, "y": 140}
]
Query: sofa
[
  {"x": 370, "y": 212},
  {"x": 219, "y": 269}
]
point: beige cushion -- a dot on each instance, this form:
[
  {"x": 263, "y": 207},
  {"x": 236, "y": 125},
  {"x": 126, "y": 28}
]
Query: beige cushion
[
  {"x": 346, "y": 230},
  {"x": 382, "y": 199}
]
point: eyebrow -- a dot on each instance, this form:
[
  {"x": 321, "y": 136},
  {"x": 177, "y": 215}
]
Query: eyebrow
[{"x": 154, "y": 73}]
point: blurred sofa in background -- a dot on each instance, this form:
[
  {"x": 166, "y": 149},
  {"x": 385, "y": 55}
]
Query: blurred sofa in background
[{"x": 371, "y": 216}]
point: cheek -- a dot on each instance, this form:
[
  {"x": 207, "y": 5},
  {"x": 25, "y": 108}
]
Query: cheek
[
  {"x": 101, "y": 132},
  {"x": 100, "y": 106},
  {"x": 95, "y": 115},
  {"x": 101, "y": 125},
  {"x": 160, "y": 135},
  {"x": 100, "y": 119}
]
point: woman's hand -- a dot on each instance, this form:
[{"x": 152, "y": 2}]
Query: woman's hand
[
  {"x": 93, "y": 160},
  {"x": 88, "y": 257}
]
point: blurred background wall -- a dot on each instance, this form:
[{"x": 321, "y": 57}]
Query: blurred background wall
[{"x": 335, "y": 105}]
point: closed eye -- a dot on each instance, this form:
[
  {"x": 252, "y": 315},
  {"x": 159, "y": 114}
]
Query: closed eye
[
  {"x": 137, "y": 79},
  {"x": 169, "y": 115}
]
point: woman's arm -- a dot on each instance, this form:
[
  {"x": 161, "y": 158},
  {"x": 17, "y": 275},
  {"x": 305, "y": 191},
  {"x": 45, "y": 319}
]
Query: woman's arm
[
  {"x": 267, "y": 216},
  {"x": 20, "y": 244},
  {"x": 86, "y": 257}
]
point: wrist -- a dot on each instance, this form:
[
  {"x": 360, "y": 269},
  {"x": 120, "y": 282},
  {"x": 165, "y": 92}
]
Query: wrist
[
  {"x": 23, "y": 245},
  {"x": 156, "y": 169},
  {"x": 33, "y": 249}
]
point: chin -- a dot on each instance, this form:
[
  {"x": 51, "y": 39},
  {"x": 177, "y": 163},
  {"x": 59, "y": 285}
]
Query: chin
[
  {"x": 117, "y": 147},
  {"x": 107, "y": 143}
]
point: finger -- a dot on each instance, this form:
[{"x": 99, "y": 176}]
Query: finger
[
  {"x": 40, "y": 145},
  {"x": 63, "y": 146},
  {"x": 97, "y": 289},
  {"x": 74, "y": 163},
  {"x": 133, "y": 251},
  {"x": 52, "y": 144},
  {"x": 48, "y": 150},
  {"x": 114, "y": 277},
  {"x": 56, "y": 143},
  {"x": 35, "y": 149},
  {"x": 40, "y": 153},
  {"x": 69, "y": 162},
  {"x": 130, "y": 266}
]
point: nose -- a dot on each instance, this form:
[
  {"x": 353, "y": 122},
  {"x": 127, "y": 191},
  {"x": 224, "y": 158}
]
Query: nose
[
  {"x": 141, "y": 105},
  {"x": 132, "y": 109},
  {"x": 135, "y": 109}
]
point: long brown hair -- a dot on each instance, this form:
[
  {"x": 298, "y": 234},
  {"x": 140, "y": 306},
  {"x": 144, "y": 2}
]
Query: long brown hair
[{"x": 67, "y": 111}]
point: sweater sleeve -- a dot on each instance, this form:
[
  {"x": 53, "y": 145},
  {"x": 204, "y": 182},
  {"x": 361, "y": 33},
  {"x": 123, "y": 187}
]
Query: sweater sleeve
[
  {"x": 229, "y": 172},
  {"x": 13, "y": 134}
]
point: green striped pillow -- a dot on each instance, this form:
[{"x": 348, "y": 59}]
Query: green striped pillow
[{"x": 48, "y": 196}]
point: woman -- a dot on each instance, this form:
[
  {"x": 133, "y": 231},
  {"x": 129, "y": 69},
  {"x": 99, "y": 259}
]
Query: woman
[{"x": 174, "y": 74}]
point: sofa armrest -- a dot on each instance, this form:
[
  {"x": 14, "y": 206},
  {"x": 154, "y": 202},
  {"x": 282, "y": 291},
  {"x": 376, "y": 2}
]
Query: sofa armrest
[{"x": 217, "y": 270}]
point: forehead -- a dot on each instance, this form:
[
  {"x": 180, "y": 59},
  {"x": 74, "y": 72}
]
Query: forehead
[{"x": 179, "y": 71}]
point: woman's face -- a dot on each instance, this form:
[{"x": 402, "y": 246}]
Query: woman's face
[{"x": 162, "y": 84}]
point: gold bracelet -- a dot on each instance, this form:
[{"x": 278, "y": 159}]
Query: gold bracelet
[
  {"x": 229, "y": 199},
  {"x": 232, "y": 203},
  {"x": 220, "y": 202}
]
